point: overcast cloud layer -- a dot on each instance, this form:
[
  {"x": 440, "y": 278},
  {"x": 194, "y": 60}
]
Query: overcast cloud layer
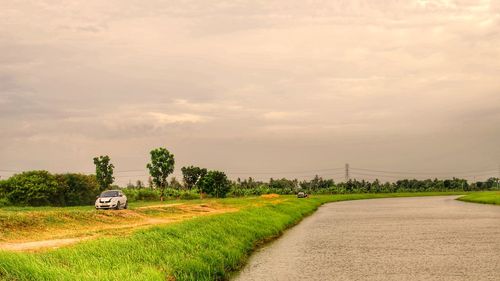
[{"x": 251, "y": 86}]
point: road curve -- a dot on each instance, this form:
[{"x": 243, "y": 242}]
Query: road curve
[{"x": 418, "y": 238}]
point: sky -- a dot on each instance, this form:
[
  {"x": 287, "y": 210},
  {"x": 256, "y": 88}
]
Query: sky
[{"x": 255, "y": 88}]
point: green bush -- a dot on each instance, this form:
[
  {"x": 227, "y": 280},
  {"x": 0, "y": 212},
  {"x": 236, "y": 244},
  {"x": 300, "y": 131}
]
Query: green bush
[
  {"x": 3, "y": 192},
  {"x": 77, "y": 189},
  {"x": 4, "y": 202},
  {"x": 189, "y": 194},
  {"x": 144, "y": 194},
  {"x": 141, "y": 194},
  {"x": 215, "y": 183},
  {"x": 40, "y": 188},
  {"x": 33, "y": 188}
]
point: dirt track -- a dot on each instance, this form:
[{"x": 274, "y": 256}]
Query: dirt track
[
  {"x": 425, "y": 238},
  {"x": 186, "y": 211}
]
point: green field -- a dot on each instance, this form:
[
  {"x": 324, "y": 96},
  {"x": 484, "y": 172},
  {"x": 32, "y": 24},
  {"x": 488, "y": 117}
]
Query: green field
[
  {"x": 486, "y": 197},
  {"x": 198, "y": 248}
]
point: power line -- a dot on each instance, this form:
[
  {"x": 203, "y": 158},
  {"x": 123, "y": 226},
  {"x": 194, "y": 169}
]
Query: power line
[
  {"x": 421, "y": 173},
  {"x": 131, "y": 176},
  {"x": 347, "y": 169},
  {"x": 375, "y": 175},
  {"x": 416, "y": 175},
  {"x": 348, "y": 172},
  {"x": 282, "y": 172},
  {"x": 130, "y": 171},
  {"x": 297, "y": 175},
  {"x": 313, "y": 175}
]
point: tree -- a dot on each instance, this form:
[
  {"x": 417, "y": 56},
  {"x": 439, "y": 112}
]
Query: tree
[
  {"x": 192, "y": 175},
  {"x": 285, "y": 186},
  {"x": 104, "y": 171},
  {"x": 316, "y": 184},
  {"x": 162, "y": 165},
  {"x": 491, "y": 183},
  {"x": 215, "y": 183}
]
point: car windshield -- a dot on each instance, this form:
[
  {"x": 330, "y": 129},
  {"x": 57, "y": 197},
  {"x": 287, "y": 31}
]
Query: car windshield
[{"x": 110, "y": 193}]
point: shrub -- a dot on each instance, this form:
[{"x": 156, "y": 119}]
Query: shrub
[
  {"x": 154, "y": 194},
  {"x": 215, "y": 183},
  {"x": 141, "y": 194},
  {"x": 189, "y": 194},
  {"x": 34, "y": 188},
  {"x": 4, "y": 202},
  {"x": 40, "y": 188},
  {"x": 77, "y": 189},
  {"x": 3, "y": 191}
]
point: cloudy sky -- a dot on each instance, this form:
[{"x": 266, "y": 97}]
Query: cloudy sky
[{"x": 263, "y": 88}]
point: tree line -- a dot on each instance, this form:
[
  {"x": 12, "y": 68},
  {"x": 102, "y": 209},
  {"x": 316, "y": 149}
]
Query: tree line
[
  {"x": 318, "y": 185},
  {"x": 40, "y": 188}
]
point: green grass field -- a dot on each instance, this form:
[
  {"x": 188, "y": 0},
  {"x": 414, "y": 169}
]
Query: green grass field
[
  {"x": 486, "y": 197},
  {"x": 202, "y": 248}
]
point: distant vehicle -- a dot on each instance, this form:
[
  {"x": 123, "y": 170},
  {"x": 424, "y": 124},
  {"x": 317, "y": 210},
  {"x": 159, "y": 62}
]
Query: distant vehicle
[
  {"x": 111, "y": 199},
  {"x": 302, "y": 195}
]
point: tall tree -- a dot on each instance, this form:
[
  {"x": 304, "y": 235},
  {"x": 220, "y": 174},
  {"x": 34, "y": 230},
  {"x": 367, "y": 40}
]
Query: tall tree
[
  {"x": 161, "y": 166},
  {"x": 104, "y": 171},
  {"x": 192, "y": 175}
]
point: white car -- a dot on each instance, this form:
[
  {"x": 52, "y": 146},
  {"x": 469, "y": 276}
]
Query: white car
[{"x": 111, "y": 199}]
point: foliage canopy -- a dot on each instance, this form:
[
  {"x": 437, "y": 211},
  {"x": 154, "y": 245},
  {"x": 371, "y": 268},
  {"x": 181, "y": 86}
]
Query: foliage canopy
[
  {"x": 161, "y": 166},
  {"x": 104, "y": 171}
]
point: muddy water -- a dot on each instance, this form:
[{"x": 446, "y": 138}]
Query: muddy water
[{"x": 425, "y": 238}]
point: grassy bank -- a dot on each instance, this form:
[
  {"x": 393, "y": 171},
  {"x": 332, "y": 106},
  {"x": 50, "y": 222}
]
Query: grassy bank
[
  {"x": 486, "y": 197},
  {"x": 22, "y": 224},
  {"x": 203, "y": 248}
]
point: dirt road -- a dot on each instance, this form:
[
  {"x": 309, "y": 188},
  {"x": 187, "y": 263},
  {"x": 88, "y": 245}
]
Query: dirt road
[
  {"x": 122, "y": 222},
  {"x": 424, "y": 238}
]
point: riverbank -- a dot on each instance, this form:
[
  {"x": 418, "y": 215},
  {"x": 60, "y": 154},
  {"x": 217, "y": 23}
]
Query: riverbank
[
  {"x": 199, "y": 248},
  {"x": 486, "y": 197}
]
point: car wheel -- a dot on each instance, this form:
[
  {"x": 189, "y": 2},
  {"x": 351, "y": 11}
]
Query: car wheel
[
  {"x": 126, "y": 205},
  {"x": 117, "y": 206}
]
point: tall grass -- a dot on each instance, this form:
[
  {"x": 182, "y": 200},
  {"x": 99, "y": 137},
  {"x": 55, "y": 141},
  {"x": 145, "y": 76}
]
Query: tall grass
[
  {"x": 200, "y": 249},
  {"x": 205, "y": 248}
]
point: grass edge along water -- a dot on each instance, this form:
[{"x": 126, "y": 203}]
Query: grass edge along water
[
  {"x": 485, "y": 197},
  {"x": 204, "y": 248}
]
